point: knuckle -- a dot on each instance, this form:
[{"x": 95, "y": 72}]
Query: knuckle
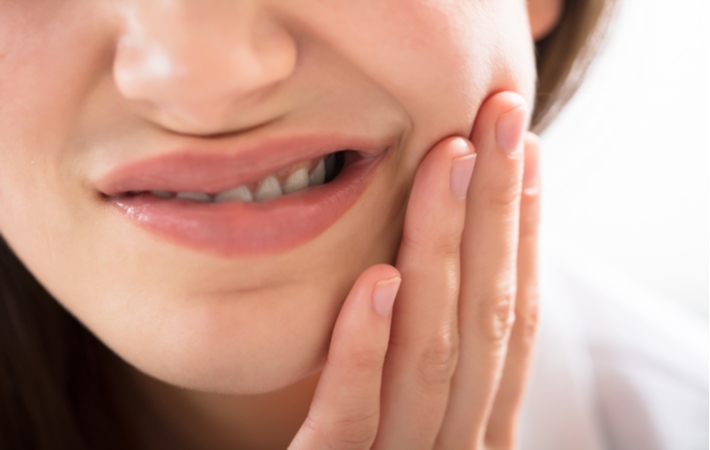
[
  {"x": 502, "y": 196},
  {"x": 531, "y": 196},
  {"x": 446, "y": 244},
  {"x": 364, "y": 360},
  {"x": 528, "y": 318},
  {"x": 437, "y": 361},
  {"x": 357, "y": 430},
  {"x": 529, "y": 223},
  {"x": 410, "y": 241},
  {"x": 497, "y": 316},
  {"x": 354, "y": 431}
]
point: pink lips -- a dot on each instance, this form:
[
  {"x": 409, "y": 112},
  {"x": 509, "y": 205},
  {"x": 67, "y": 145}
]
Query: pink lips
[{"x": 239, "y": 228}]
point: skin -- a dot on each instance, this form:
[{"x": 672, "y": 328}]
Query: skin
[{"x": 201, "y": 329}]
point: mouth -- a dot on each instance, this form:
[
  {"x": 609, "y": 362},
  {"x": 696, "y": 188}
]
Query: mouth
[
  {"x": 287, "y": 181},
  {"x": 252, "y": 202}
]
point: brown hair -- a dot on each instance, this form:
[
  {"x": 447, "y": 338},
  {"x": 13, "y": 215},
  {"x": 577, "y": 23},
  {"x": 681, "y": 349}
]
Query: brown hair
[
  {"x": 564, "y": 55},
  {"x": 61, "y": 388},
  {"x": 53, "y": 383}
]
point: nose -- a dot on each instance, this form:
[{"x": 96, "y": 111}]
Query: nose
[{"x": 191, "y": 64}]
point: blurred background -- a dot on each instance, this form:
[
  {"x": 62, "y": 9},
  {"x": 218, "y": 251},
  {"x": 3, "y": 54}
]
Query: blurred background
[{"x": 626, "y": 165}]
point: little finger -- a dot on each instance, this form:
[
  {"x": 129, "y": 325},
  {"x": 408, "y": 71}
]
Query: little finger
[{"x": 502, "y": 425}]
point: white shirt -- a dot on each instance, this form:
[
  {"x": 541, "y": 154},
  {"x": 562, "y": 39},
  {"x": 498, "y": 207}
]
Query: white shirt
[{"x": 615, "y": 368}]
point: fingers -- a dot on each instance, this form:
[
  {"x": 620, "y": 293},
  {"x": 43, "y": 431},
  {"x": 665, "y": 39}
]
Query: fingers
[
  {"x": 460, "y": 287},
  {"x": 345, "y": 410},
  {"x": 501, "y": 432},
  {"x": 488, "y": 268},
  {"x": 423, "y": 343}
]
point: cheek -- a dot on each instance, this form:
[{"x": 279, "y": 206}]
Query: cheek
[
  {"x": 438, "y": 58},
  {"x": 48, "y": 62},
  {"x": 49, "y": 56}
]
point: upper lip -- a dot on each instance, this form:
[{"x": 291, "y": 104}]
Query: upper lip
[{"x": 213, "y": 167}]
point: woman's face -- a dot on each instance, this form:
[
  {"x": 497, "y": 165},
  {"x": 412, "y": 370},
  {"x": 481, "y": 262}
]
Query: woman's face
[{"x": 104, "y": 101}]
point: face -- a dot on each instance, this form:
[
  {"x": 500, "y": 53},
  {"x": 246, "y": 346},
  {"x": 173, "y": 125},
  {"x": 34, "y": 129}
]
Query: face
[{"x": 111, "y": 108}]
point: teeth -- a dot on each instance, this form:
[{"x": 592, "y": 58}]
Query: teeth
[
  {"x": 196, "y": 196},
  {"x": 296, "y": 181},
  {"x": 269, "y": 189},
  {"x": 239, "y": 194},
  {"x": 163, "y": 194},
  {"x": 317, "y": 177}
]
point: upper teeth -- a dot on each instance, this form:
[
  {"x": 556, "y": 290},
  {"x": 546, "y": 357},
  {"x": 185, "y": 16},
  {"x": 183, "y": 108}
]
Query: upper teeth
[
  {"x": 240, "y": 194},
  {"x": 317, "y": 176},
  {"x": 297, "y": 181},
  {"x": 268, "y": 188}
]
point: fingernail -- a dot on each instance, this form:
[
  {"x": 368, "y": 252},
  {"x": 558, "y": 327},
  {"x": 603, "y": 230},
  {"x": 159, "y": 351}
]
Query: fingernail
[
  {"x": 509, "y": 129},
  {"x": 461, "y": 172},
  {"x": 384, "y": 294}
]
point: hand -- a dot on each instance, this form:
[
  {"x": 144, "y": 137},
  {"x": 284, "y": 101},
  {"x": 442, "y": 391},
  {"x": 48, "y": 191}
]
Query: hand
[{"x": 447, "y": 368}]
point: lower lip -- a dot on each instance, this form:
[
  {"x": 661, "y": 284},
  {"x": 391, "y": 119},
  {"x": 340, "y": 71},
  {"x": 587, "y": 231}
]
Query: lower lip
[{"x": 240, "y": 229}]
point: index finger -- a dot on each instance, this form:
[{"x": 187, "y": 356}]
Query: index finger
[{"x": 423, "y": 346}]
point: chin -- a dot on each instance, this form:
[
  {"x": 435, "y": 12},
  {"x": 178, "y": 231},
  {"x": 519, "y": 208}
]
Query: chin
[
  {"x": 256, "y": 342},
  {"x": 238, "y": 344}
]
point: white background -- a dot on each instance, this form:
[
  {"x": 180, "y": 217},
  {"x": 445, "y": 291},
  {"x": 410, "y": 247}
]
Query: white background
[{"x": 625, "y": 167}]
